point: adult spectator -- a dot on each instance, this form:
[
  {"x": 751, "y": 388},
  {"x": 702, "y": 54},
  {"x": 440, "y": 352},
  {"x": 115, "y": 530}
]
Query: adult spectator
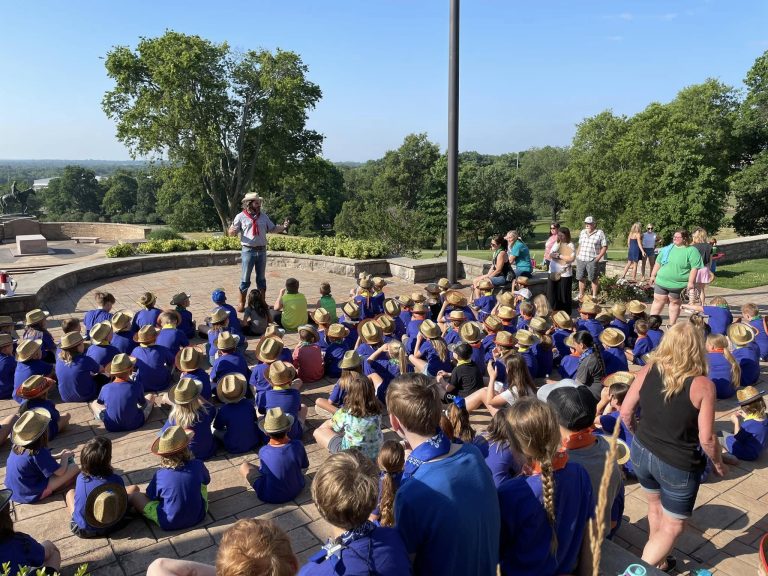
[
  {"x": 650, "y": 239},
  {"x": 499, "y": 264},
  {"x": 518, "y": 254},
  {"x": 674, "y": 271},
  {"x": 554, "y": 228},
  {"x": 635, "y": 251},
  {"x": 252, "y": 226},
  {"x": 560, "y": 282},
  {"x": 592, "y": 248},
  {"x": 674, "y": 436},
  {"x": 703, "y": 274}
]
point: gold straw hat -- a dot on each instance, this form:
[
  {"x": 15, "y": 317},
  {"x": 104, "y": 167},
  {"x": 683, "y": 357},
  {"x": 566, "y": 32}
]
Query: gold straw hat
[
  {"x": 505, "y": 312},
  {"x": 612, "y": 337},
  {"x": 5, "y": 340},
  {"x": 337, "y": 331},
  {"x": 190, "y": 358},
  {"x": 386, "y": 323},
  {"x": 485, "y": 284},
  {"x": 269, "y": 349},
  {"x": 27, "y": 348},
  {"x": 185, "y": 391},
  {"x": 147, "y": 299},
  {"x": 6, "y": 321},
  {"x": 378, "y": 282},
  {"x": 619, "y": 310},
  {"x": 526, "y": 338},
  {"x": 351, "y": 310},
  {"x": 392, "y": 307},
  {"x": 619, "y": 377},
  {"x": 589, "y": 307},
  {"x": 604, "y": 316},
  {"x": 740, "y": 334},
  {"x": 276, "y": 421},
  {"x": 405, "y": 301},
  {"x": 350, "y": 360},
  {"x": 370, "y": 332},
  {"x": 539, "y": 324},
  {"x": 570, "y": 341},
  {"x": 101, "y": 332},
  {"x": 419, "y": 308},
  {"x": 444, "y": 283},
  {"x": 281, "y": 373},
  {"x": 418, "y": 298},
  {"x": 470, "y": 332},
  {"x": 429, "y": 329},
  {"x": 505, "y": 339},
  {"x": 321, "y": 316},
  {"x": 219, "y": 315},
  {"x": 227, "y": 341},
  {"x": 30, "y": 426},
  {"x": 146, "y": 334},
  {"x": 34, "y": 387},
  {"x": 747, "y": 395},
  {"x": 106, "y": 505},
  {"x": 562, "y": 319},
  {"x": 455, "y": 298},
  {"x": 71, "y": 340},
  {"x": 365, "y": 283},
  {"x": 121, "y": 320},
  {"x": 492, "y": 323},
  {"x": 173, "y": 440},
  {"x": 457, "y": 315},
  {"x": 121, "y": 363},
  {"x": 35, "y": 316},
  {"x": 506, "y": 299},
  {"x": 231, "y": 388},
  {"x": 636, "y": 307}
]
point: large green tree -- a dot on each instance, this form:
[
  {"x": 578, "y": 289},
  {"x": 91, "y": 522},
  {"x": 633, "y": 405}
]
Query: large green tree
[
  {"x": 539, "y": 167},
  {"x": 76, "y": 191},
  {"x": 235, "y": 119},
  {"x": 121, "y": 194}
]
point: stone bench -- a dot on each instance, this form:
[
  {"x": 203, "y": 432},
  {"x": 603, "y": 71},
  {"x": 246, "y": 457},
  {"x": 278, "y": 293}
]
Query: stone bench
[{"x": 92, "y": 239}]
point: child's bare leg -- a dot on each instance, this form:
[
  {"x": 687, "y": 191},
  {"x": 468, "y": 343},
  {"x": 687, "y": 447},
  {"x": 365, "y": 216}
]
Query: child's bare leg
[
  {"x": 475, "y": 400},
  {"x": 96, "y": 408},
  {"x": 70, "y": 499},
  {"x": 376, "y": 380},
  {"x": 6, "y": 425},
  {"x": 417, "y": 363},
  {"x": 303, "y": 414},
  {"x": 325, "y": 404},
  {"x": 57, "y": 483},
  {"x": 248, "y": 471},
  {"x": 324, "y": 434},
  {"x": 605, "y": 399},
  {"x": 64, "y": 419},
  {"x": 297, "y": 384},
  {"x": 52, "y": 555},
  {"x": 137, "y": 498}
]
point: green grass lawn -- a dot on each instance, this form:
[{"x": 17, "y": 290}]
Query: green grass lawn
[{"x": 741, "y": 275}]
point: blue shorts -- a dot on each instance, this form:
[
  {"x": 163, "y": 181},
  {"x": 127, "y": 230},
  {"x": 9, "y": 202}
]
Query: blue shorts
[
  {"x": 677, "y": 488},
  {"x": 498, "y": 280}
]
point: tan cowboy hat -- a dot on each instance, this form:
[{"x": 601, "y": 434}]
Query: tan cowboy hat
[
  {"x": 276, "y": 421},
  {"x": 219, "y": 315},
  {"x": 562, "y": 319},
  {"x": 405, "y": 301},
  {"x": 444, "y": 283},
  {"x": 604, "y": 317},
  {"x": 6, "y": 321},
  {"x": 321, "y": 316},
  {"x": 71, "y": 340},
  {"x": 429, "y": 329},
  {"x": 190, "y": 358},
  {"x": 365, "y": 283},
  {"x": 612, "y": 337},
  {"x": 619, "y": 310},
  {"x": 269, "y": 349},
  {"x": 30, "y": 426},
  {"x": 250, "y": 196},
  {"x": 419, "y": 308},
  {"x": 740, "y": 334},
  {"x": 173, "y": 440},
  {"x": 185, "y": 391},
  {"x": 351, "y": 310},
  {"x": 146, "y": 334},
  {"x": 35, "y": 316},
  {"x": 227, "y": 341},
  {"x": 485, "y": 284},
  {"x": 121, "y": 363},
  {"x": 307, "y": 330},
  {"x": 231, "y": 388},
  {"x": 619, "y": 377},
  {"x": 505, "y": 312},
  {"x": 492, "y": 323},
  {"x": 281, "y": 373},
  {"x": 432, "y": 288},
  {"x": 34, "y": 387},
  {"x": 418, "y": 298},
  {"x": 121, "y": 320},
  {"x": 471, "y": 332},
  {"x": 539, "y": 324},
  {"x": 392, "y": 307},
  {"x": 455, "y": 298},
  {"x": 505, "y": 339},
  {"x": 370, "y": 332},
  {"x": 106, "y": 505},
  {"x": 27, "y": 348},
  {"x": 386, "y": 323},
  {"x": 506, "y": 299},
  {"x": 337, "y": 331},
  {"x": 457, "y": 315},
  {"x": 570, "y": 341},
  {"x": 636, "y": 307},
  {"x": 526, "y": 338},
  {"x": 147, "y": 299},
  {"x": 273, "y": 330},
  {"x": 747, "y": 395},
  {"x": 179, "y": 298},
  {"x": 5, "y": 340},
  {"x": 378, "y": 282},
  {"x": 100, "y": 332},
  {"x": 589, "y": 307},
  {"x": 350, "y": 360}
]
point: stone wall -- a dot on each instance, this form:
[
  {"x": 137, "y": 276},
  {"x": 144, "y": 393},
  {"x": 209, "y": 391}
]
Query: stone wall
[
  {"x": 104, "y": 230},
  {"x": 18, "y": 227},
  {"x": 744, "y": 248}
]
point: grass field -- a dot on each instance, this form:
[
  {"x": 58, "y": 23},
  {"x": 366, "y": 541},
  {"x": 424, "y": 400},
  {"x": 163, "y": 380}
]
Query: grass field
[{"x": 741, "y": 275}]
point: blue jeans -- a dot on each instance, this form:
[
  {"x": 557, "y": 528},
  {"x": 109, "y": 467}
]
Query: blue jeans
[{"x": 254, "y": 259}]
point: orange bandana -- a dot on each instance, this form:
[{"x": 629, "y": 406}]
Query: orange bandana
[
  {"x": 580, "y": 439},
  {"x": 558, "y": 463}
]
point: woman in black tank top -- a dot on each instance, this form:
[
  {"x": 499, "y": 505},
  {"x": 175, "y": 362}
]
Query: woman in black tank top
[{"x": 673, "y": 435}]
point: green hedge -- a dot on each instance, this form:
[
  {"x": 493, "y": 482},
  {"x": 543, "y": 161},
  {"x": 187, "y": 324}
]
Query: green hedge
[{"x": 340, "y": 246}]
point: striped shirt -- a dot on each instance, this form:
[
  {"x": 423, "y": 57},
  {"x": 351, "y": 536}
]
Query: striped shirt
[{"x": 590, "y": 245}]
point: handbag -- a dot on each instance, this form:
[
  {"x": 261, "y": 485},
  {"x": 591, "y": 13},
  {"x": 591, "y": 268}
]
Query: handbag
[{"x": 555, "y": 276}]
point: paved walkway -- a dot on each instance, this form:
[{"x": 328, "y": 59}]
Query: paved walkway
[{"x": 731, "y": 514}]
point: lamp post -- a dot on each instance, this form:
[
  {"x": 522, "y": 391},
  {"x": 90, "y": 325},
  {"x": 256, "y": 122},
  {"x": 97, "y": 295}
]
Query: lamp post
[{"x": 453, "y": 137}]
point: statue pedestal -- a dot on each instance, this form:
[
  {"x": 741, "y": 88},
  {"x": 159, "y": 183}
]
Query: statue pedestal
[{"x": 30, "y": 244}]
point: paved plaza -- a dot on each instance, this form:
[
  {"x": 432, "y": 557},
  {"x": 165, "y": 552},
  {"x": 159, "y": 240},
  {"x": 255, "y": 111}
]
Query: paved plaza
[{"x": 730, "y": 518}]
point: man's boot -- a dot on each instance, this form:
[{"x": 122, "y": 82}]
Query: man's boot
[{"x": 241, "y": 306}]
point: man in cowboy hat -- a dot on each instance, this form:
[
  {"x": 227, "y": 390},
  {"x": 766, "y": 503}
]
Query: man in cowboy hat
[
  {"x": 252, "y": 226},
  {"x": 592, "y": 248}
]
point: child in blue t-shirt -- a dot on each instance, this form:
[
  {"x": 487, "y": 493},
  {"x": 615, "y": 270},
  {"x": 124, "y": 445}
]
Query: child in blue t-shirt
[
  {"x": 569, "y": 364},
  {"x": 587, "y": 319},
  {"x": 78, "y": 375},
  {"x": 377, "y": 298},
  {"x": 350, "y": 364},
  {"x": 501, "y": 460},
  {"x": 186, "y": 323},
  {"x": 228, "y": 359},
  {"x": 362, "y": 548},
  {"x": 7, "y": 367},
  {"x": 452, "y": 333},
  {"x": 418, "y": 315},
  {"x": 190, "y": 361},
  {"x": 29, "y": 363},
  {"x": 20, "y": 550},
  {"x": 100, "y": 349},
  {"x": 654, "y": 329},
  {"x": 121, "y": 404},
  {"x": 170, "y": 336},
  {"x": 746, "y": 354},
  {"x": 750, "y": 314},
  {"x": 619, "y": 318},
  {"x": 563, "y": 325},
  {"x": 614, "y": 358},
  {"x": 284, "y": 393},
  {"x": 430, "y": 354},
  {"x": 543, "y": 349},
  {"x": 643, "y": 344},
  {"x": 105, "y": 301},
  {"x": 235, "y": 424},
  {"x": 148, "y": 314},
  {"x": 96, "y": 475},
  {"x": 393, "y": 310},
  {"x": 618, "y": 386},
  {"x": 153, "y": 363},
  {"x": 750, "y": 427},
  {"x": 34, "y": 394},
  {"x": 193, "y": 413},
  {"x": 122, "y": 336},
  {"x": 485, "y": 301},
  {"x": 177, "y": 495},
  {"x": 219, "y": 322},
  {"x": 335, "y": 349},
  {"x": 282, "y": 461},
  {"x": 723, "y": 369},
  {"x": 36, "y": 328},
  {"x": 526, "y": 342}
]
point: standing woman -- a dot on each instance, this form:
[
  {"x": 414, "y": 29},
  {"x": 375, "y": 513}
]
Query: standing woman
[
  {"x": 650, "y": 239},
  {"x": 554, "y": 230},
  {"x": 675, "y": 270},
  {"x": 674, "y": 436},
  {"x": 635, "y": 250},
  {"x": 704, "y": 274},
  {"x": 499, "y": 266},
  {"x": 560, "y": 281}
]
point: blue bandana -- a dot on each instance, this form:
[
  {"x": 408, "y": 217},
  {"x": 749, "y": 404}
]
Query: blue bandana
[
  {"x": 586, "y": 354},
  {"x": 437, "y": 446},
  {"x": 334, "y": 548}
]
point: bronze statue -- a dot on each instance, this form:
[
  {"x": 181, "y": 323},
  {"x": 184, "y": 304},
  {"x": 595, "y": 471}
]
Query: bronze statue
[{"x": 16, "y": 195}]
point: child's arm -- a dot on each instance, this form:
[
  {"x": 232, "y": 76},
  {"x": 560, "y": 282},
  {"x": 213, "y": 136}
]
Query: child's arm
[
  {"x": 736, "y": 421},
  {"x": 693, "y": 307},
  {"x": 417, "y": 347},
  {"x": 64, "y": 457},
  {"x": 378, "y": 352},
  {"x": 279, "y": 302}
]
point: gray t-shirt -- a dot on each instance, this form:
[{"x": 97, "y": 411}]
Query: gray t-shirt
[
  {"x": 593, "y": 459},
  {"x": 250, "y": 236}
]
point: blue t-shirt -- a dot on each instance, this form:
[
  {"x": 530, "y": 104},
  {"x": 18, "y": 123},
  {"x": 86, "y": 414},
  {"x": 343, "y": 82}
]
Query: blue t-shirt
[
  {"x": 529, "y": 356},
  {"x": 239, "y": 422},
  {"x": 522, "y": 257},
  {"x": 468, "y": 312},
  {"x": 76, "y": 382},
  {"x": 526, "y": 534},
  {"x": 213, "y": 335},
  {"x": 145, "y": 317},
  {"x": 102, "y": 353},
  {"x": 377, "y": 303},
  {"x": 448, "y": 516},
  {"x": 592, "y": 326},
  {"x": 501, "y": 462},
  {"x": 642, "y": 347},
  {"x": 485, "y": 305},
  {"x": 405, "y": 316},
  {"x": 202, "y": 375},
  {"x": 186, "y": 325},
  {"x": 720, "y": 318},
  {"x": 290, "y": 401},
  {"x": 173, "y": 339},
  {"x": 124, "y": 402},
  {"x": 750, "y": 441},
  {"x": 615, "y": 360},
  {"x": 202, "y": 443},
  {"x": 621, "y": 325},
  {"x": 380, "y": 551},
  {"x": 93, "y": 317},
  {"x": 655, "y": 336},
  {"x": 452, "y": 336},
  {"x": 558, "y": 341},
  {"x": 22, "y": 550},
  {"x": 228, "y": 364},
  {"x": 399, "y": 327},
  {"x": 761, "y": 339},
  {"x": 720, "y": 373},
  {"x": 27, "y": 474},
  {"x": 544, "y": 360},
  {"x": 179, "y": 492},
  {"x": 7, "y": 371},
  {"x": 334, "y": 354},
  {"x": 48, "y": 344},
  {"x": 53, "y": 425},
  {"x": 282, "y": 475},
  {"x": 749, "y": 363},
  {"x": 123, "y": 341},
  {"x": 569, "y": 365},
  {"x": 153, "y": 367},
  {"x": 258, "y": 381},
  {"x": 488, "y": 343},
  {"x": 26, "y": 369},
  {"x": 434, "y": 363},
  {"x": 84, "y": 485}
]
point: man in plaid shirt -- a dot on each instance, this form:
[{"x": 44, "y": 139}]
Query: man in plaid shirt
[{"x": 592, "y": 248}]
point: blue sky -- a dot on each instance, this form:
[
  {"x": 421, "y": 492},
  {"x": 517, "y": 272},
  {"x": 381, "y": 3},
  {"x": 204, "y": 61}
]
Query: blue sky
[{"x": 530, "y": 71}]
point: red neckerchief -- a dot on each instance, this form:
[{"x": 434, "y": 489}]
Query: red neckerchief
[
  {"x": 254, "y": 223},
  {"x": 558, "y": 463},
  {"x": 580, "y": 439},
  {"x": 281, "y": 442},
  {"x": 475, "y": 344},
  {"x": 718, "y": 350}
]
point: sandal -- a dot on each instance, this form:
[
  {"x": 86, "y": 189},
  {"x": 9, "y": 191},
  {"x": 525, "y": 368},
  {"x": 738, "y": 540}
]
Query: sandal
[{"x": 670, "y": 563}]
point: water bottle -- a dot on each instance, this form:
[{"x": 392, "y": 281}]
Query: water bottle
[
  {"x": 634, "y": 570},
  {"x": 701, "y": 572}
]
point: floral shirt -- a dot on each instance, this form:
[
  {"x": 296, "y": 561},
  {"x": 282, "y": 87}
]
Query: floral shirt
[{"x": 361, "y": 433}]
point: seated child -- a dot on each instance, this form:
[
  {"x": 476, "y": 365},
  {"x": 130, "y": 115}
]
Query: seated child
[
  {"x": 282, "y": 461},
  {"x": 643, "y": 344},
  {"x": 637, "y": 312},
  {"x": 186, "y": 323},
  {"x": 345, "y": 490},
  {"x": 418, "y": 315},
  {"x": 563, "y": 325},
  {"x": 587, "y": 321},
  {"x": 619, "y": 321},
  {"x": 284, "y": 393},
  {"x": 290, "y": 306},
  {"x": 98, "y": 501},
  {"x": 406, "y": 305},
  {"x": 322, "y": 320},
  {"x": 170, "y": 336},
  {"x": 34, "y": 394},
  {"x": 526, "y": 341},
  {"x": 491, "y": 325},
  {"x": 177, "y": 496},
  {"x": 741, "y": 336},
  {"x": 569, "y": 364},
  {"x": 28, "y": 363},
  {"x": 387, "y": 326},
  {"x": 235, "y": 423},
  {"x": 100, "y": 349},
  {"x": 527, "y": 313},
  {"x": 393, "y": 309},
  {"x": 485, "y": 301},
  {"x": 451, "y": 333},
  {"x": 307, "y": 356},
  {"x": 269, "y": 350},
  {"x": 604, "y": 317},
  {"x": 501, "y": 460},
  {"x": 327, "y": 302},
  {"x": 31, "y": 470},
  {"x": 377, "y": 297},
  {"x": 654, "y": 329},
  {"x": 391, "y": 462},
  {"x": 508, "y": 380},
  {"x": 191, "y": 363},
  {"x": 105, "y": 301},
  {"x": 335, "y": 350},
  {"x": 455, "y": 300},
  {"x": 256, "y": 315},
  {"x": 153, "y": 363},
  {"x": 462, "y": 430},
  {"x": 613, "y": 351},
  {"x": 219, "y": 297},
  {"x": 350, "y": 364},
  {"x": 718, "y": 313},
  {"x": 750, "y": 437},
  {"x": 122, "y": 335},
  {"x": 751, "y": 315},
  {"x": 618, "y": 385},
  {"x": 78, "y": 375},
  {"x": 466, "y": 378},
  {"x": 362, "y": 297},
  {"x": 350, "y": 320},
  {"x": 192, "y": 412},
  {"x": 724, "y": 370},
  {"x": 228, "y": 358},
  {"x": 36, "y": 328},
  {"x": 148, "y": 314},
  {"x": 7, "y": 367},
  {"x": 121, "y": 404},
  {"x": 430, "y": 354},
  {"x": 543, "y": 348},
  {"x": 219, "y": 322},
  {"x": 20, "y": 550}
]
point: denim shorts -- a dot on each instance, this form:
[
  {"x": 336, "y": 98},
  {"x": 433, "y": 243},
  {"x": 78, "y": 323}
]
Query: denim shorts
[
  {"x": 335, "y": 445},
  {"x": 677, "y": 488},
  {"x": 498, "y": 280}
]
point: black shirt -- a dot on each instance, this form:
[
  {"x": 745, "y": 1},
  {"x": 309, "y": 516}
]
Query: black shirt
[
  {"x": 590, "y": 373},
  {"x": 465, "y": 379}
]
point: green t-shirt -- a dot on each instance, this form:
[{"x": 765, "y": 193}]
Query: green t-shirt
[
  {"x": 329, "y": 304},
  {"x": 294, "y": 311},
  {"x": 674, "y": 274}
]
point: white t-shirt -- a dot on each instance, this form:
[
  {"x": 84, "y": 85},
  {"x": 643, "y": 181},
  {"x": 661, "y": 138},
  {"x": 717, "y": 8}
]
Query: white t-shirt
[{"x": 649, "y": 240}]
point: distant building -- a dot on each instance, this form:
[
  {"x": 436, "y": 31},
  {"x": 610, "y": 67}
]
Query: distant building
[{"x": 43, "y": 182}]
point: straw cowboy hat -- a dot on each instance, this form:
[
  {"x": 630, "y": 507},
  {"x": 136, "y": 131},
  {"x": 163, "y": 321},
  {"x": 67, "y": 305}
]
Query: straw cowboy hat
[
  {"x": 321, "y": 316},
  {"x": 429, "y": 329},
  {"x": 306, "y": 330},
  {"x": 457, "y": 316},
  {"x": 34, "y": 387},
  {"x": 386, "y": 323},
  {"x": 121, "y": 320},
  {"x": 378, "y": 282},
  {"x": 337, "y": 331},
  {"x": 185, "y": 391},
  {"x": 5, "y": 340},
  {"x": 251, "y": 196},
  {"x": 269, "y": 349},
  {"x": 620, "y": 377},
  {"x": 404, "y": 300},
  {"x": 612, "y": 337},
  {"x": 562, "y": 319},
  {"x": 370, "y": 332},
  {"x": 506, "y": 299},
  {"x": 589, "y": 307},
  {"x": 6, "y": 321},
  {"x": 748, "y": 394},
  {"x": 526, "y": 338},
  {"x": 492, "y": 323},
  {"x": 505, "y": 312},
  {"x": 276, "y": 421},
  {"x": 365, "y": 283},
  {"x": 539, "y": 324},
  {"x": 505, "y": 339},
  {"x": 30, "y": 426},
  {"x": 281, "y": 373},
  {"x": 470, "y": 332},
  {"x": 231, "y": 388},
  {"x": 444, "y": 283},
  {"x": 392, "y": 307},
  {"x": 419, "y": 308},
  {"x": 147, "y": 299},
  {"x": 190, "y": 358},
  {"x": 227, "y": 341},
  {"x": 27, "y": 348},
  {"x": 219, "y": 315},
  {"x": 106, "y": 505},
  {"x": 485, "y": 284},
  {"x": 146, "y": 334},
  {"x": 418, "y": 297},
  {"x": 455, "y": 298},
  {"x": 71, "y": 340},
  {"x": 173, "y": 440},
  {"x": 636, "y": 307},
  {"x": 350, "y": 360},
  {"x": 274, "y": 330},
  {"x": 100, "y": 332},
  {"x": 432, "y": 288},
  {"x": 121, "y": 363},
  {"x": 619, "y": 310},
  {"x": 604, "y": 316},
  {"x": 35, "y": 316},
  {"x": 180, "y": 298},
  {"x": 740, "y": 334},
  {"x": 351, "y": 310}
]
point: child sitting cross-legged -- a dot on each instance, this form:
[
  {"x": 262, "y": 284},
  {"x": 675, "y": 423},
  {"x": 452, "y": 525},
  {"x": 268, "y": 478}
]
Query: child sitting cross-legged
[
  {"x": 153, "y": 363},
  {"x": 219, "y": 322},
  {"x": 228, "y": 359},
  {"x": 643, "y": 344},
  {"x": 101, "y": 348},
  {"x": 98, "y": 501},
  {"x": 345, "y": 491},
  {"x": 281, "y": 461},
  {"x": 36, "y": 328},
  {"x": 284, "y": 393},
  {"x": 148, "y": 314},
  {"x": 20, "y": 550},
  {"x": 723, "y": 369},
  {"x": 613, "y": 354},
  {"x": 750, "y": 314},
  {"x": 327, "y": 302},
  {"x": 290, "y": 306},
  {"x": 121, "y": 404},
  {"x": 485, "y": 301},
  {"x": 191, "y": 362},
  {"x": 78, "y": 375},
  {"x": 192, "y": 412},
  {"x": 177, "y": 495},
  {"x": 235, "y": 424},
  {"x": 307, "y": 356},
  {"x": 430, "y": 354},
  {"x": 391, "y": 462},
  {"x": 268, "y": 350},
  {"x": 256, "y": 314},
  {"x": 322, "y": 320},
  {"x": 750, "y": 427},
  {"x": 170, "y": 335},
  {"x": 34, "y": 394}
]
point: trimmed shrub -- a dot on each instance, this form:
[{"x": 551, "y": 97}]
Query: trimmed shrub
[
  {"x": 164, "y": 234},
  {"x": 120, "y": 251}
]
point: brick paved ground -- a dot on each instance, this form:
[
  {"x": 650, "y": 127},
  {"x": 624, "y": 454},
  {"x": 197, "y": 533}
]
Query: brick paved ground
[{"x": 731, "y": 514}]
